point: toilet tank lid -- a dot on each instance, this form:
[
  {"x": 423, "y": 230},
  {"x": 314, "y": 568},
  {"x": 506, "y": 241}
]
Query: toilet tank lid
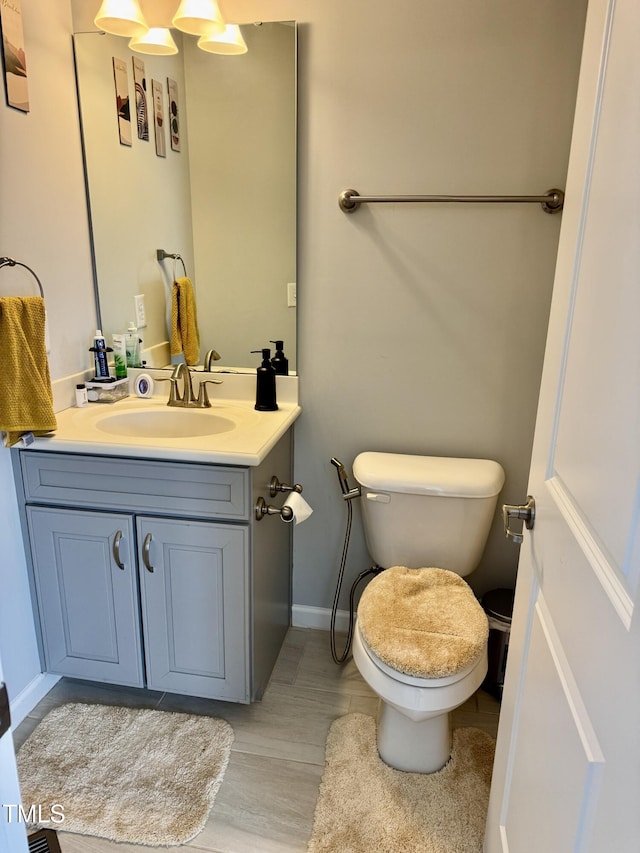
[{"x": 428, "y": 475}]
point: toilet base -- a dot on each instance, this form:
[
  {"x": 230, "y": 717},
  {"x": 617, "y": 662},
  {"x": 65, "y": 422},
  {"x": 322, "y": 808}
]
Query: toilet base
[{"x": 416, "y": 747}]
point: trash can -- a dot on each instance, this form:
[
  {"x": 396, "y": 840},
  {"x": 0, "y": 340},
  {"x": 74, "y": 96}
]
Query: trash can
[{"x": 498, "y": 605}]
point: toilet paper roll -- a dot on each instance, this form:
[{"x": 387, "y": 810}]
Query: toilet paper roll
[{"x": 300, "y": 508}]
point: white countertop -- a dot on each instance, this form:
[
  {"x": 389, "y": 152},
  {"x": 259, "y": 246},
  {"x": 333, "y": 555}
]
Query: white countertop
[{"x": 249, "y": 439}]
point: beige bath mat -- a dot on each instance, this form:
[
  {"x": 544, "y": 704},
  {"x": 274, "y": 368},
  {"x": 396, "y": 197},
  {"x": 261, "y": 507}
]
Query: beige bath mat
[
  {"x": 129, "y": 775},
  {"x": 366, "y": 807}
]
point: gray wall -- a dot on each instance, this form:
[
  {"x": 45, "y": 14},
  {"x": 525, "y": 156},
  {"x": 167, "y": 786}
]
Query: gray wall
[
  {"x": 421, "y": 329},
  {"x": 43, "y": 222}
]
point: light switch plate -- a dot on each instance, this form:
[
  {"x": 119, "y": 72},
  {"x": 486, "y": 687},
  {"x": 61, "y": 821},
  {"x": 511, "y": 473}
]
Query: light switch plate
[{"x": 292, "y": 296}]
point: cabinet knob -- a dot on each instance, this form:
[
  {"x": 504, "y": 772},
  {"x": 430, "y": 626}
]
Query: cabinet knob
[{"x": 146, "y": 555}]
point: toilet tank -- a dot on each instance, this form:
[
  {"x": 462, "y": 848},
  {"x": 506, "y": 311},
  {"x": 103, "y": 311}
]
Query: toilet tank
[{"x": 427, "y": 511}]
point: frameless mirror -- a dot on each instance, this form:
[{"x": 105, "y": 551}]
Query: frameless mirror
[{"x": 214, "y": 182}]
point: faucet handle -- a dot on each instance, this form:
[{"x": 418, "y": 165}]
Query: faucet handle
[
  {"x": 202, "y": 400},
  {"x": 175, "y": 398}
]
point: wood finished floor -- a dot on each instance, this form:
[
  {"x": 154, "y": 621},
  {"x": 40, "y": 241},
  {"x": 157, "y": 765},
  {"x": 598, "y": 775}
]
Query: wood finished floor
[{"x": 267, "y": 799}]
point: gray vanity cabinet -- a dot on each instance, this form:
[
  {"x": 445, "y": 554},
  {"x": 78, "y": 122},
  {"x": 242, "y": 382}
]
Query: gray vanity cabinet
[
  {"x": 87, "y": 598},
  {"x": 193, "y": 600},
  {"x": 156, "y": 574},
  {"x": 194, "y": 597}
]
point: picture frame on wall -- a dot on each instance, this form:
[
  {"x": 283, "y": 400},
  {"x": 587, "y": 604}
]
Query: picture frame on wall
[
  {"x": 13, "y": 55},
  {"x": 174, "y": 114},
  {"x": 123, "y": 103},
  {"x": 158, "y": 118},
  {"x": 142, "y": 110}
]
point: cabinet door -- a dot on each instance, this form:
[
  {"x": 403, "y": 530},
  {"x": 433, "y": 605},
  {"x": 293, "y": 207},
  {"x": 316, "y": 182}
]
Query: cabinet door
[
  {"x": 195, "y": 607},
  {"x": 87, "y": 593}
]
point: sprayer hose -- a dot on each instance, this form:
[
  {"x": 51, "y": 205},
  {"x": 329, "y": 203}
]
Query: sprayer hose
[{"x": 343, "y": 561}]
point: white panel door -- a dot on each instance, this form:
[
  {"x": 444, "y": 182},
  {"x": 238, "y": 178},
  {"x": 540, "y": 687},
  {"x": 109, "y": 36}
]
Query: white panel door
[
  {"x": 567, "y": 770},
  {"x": 13, "y": 836}
]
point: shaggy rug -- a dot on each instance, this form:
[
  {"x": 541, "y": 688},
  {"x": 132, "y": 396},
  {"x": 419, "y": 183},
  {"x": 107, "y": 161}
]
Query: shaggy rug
[
  {"x": 129, "y": 775},
  {"x": 364, "y": 806}
]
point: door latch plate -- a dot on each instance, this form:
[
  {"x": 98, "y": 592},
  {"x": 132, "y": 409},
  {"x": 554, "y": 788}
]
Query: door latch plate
[{"x": 526, "y": 513}]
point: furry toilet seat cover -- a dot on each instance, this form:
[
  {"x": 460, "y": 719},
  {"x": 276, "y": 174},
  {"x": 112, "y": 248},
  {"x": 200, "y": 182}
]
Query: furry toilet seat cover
[{"x": 422, "y": 622}]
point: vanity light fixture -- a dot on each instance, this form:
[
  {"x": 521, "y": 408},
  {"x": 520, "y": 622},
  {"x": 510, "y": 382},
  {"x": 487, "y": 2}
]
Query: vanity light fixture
[
  {"x": 121, "y": 18},
  {"x": 195, "y": 17},
  {"x": 199, "y": 17},
  {"x": 229, "y": 42},
  {"x": 158, "y": 41}
]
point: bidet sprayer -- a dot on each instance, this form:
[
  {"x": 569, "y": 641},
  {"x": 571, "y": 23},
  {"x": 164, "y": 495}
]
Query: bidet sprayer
[{"x": 347, "y": 493}]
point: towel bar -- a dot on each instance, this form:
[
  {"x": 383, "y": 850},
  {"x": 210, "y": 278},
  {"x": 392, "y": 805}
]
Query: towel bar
[{"x": 552, "y": 201}]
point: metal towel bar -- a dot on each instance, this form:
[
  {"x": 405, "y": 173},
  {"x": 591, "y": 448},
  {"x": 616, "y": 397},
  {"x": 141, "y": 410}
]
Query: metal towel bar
[{"x": 552, "y": 201}]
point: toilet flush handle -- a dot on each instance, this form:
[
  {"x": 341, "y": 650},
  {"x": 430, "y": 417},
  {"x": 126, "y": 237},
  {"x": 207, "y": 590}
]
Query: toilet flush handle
[
  {"x": 526, "y": 512},
  {"x": 379, "y": 497}
]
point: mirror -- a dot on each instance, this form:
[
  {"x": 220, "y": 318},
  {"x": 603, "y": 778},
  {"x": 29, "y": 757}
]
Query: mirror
[{"x": 225, "y": 201}]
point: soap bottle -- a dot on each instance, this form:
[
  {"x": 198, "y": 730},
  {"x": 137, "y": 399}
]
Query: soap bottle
[
  {"x": 132, "y": 346},
  {"x": 280, "y": 362},
  {"x": 265, "y": 384}
]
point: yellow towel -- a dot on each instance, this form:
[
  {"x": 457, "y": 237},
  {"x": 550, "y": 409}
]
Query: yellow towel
[
  {"x": 26, "y": 400},
  {"x": 184, "y": 322}
]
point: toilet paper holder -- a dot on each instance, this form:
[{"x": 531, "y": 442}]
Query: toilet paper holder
[
  {"x": 263, "y": 508},
  {"x": 285, "y": 512},
  {"x": 276, "y": 486}
]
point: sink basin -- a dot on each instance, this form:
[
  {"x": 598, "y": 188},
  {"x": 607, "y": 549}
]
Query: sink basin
[
  {"x": 230, "y": 432},
  {"x": 164, "y": 423}
]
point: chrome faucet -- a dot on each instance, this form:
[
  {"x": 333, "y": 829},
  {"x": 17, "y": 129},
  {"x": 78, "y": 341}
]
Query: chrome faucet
[{"x": 212, "y": 355}]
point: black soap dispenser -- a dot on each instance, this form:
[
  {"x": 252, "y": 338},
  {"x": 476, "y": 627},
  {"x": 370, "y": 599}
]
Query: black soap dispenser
[
  {"x": 280, "y": 362},
  {"x": 265, "y": 384}
]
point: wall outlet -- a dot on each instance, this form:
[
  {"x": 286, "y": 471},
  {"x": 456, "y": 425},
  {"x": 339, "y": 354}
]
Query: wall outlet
[
  {"x": 141, "y": 314},
  {"x": 292, "y": 296}
]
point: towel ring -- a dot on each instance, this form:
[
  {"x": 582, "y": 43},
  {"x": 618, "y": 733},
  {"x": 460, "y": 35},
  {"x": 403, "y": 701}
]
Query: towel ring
[
  {"x": 10, "y": 262},
  {"x": 161, "y": 255}
]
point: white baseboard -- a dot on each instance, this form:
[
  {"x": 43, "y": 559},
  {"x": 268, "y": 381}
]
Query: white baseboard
[
  {"x": 303, "y": 616},
  {"x": 29, "y": 696}
]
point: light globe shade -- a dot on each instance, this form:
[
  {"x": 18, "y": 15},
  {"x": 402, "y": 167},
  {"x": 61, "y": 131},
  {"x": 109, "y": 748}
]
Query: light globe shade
[
  {"x": 198, "y": 17},
  {"x": 121, "y": 18},
  {"x": 229, "y": 42},
  {"x": 158, "y": 42}
]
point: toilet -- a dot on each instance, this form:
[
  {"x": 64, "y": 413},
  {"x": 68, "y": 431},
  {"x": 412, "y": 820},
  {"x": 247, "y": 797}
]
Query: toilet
[{"x": 420, "y": 639}]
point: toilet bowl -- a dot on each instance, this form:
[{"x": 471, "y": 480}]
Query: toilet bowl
[
  {"x": 420, "y": 640},
  {"x": 413, "y": 731}
]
